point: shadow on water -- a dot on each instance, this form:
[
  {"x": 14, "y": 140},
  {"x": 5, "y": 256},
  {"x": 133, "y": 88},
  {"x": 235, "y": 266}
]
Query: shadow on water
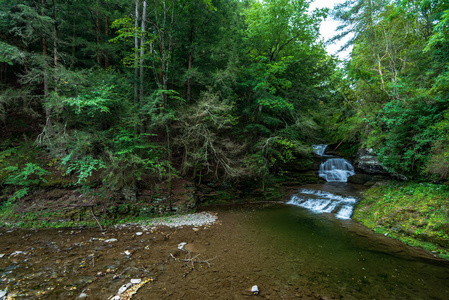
[{"x": 344, "y": 258}]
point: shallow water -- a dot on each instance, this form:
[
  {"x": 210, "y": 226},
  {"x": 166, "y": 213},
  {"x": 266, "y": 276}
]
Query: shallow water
[
  {"x": 289, "y": 251},
  {"x": 341, "y": 257}
]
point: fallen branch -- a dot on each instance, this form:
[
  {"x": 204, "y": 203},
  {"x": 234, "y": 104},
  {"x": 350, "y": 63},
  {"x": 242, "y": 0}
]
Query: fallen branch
[{"x": 95, "y": 218}]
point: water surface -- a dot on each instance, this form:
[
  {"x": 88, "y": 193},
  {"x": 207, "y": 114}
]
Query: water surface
[{"x": 341, "y": 257}]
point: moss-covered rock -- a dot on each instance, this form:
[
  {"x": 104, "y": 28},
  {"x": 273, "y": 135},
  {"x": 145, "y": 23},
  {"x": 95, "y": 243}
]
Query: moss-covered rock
[{"x": 415, "y": 213}]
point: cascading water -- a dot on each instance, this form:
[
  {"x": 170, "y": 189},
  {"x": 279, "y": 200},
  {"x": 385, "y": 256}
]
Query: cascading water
[
  {"x": 336, "y": 170},
  {"x": 324, "y": 202},
  {"x": 332, "y": 169},
  {"x": 319, "y": 149}
]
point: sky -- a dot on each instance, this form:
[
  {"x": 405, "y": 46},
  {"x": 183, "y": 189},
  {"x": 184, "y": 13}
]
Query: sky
[{"x": 329, "y": 26}]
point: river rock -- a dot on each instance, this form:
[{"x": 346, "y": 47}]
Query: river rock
[
  {"x": 367, "y": 179},
  {"x": 367, "y": 162},
  {"x": 181, "y": 245},
  {"x": 17, "y": 253},
  {"x": 123, "y": 288},
  {"x": 255, "y": 290}
]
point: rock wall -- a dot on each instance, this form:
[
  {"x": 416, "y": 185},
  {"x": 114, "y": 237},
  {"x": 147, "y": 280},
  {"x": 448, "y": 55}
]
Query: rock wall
[{"x": 366, "y": 162}]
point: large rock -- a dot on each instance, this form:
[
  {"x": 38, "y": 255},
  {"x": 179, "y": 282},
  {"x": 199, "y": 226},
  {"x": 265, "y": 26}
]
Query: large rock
[
  {"x": 368, "y": 179},
  {"x": 367, "y": 162}
]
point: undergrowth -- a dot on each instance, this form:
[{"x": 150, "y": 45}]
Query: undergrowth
[
  {"x": 415, "y": 213},
  {"x": 119, "y": 214}
]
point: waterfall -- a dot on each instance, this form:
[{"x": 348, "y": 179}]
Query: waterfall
[
  {"x": 324, "y": 202},
  {"x": 332, "y": 169},
  {"x": 336, "y": 170},
  {"x": 319, "y": 149}
]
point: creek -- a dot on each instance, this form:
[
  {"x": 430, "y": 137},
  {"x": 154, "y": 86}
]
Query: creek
[
  {"x": 308, "y": 249},
  {"x": 320, "y": 242}
]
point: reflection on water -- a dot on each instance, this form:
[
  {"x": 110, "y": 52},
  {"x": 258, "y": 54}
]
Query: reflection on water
[{"x": 341, "y": 257}]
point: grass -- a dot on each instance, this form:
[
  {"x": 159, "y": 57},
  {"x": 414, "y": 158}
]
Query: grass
[{"x": 415, "y": 213}]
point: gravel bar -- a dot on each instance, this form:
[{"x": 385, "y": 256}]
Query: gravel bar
[{"x": 195, "y": 219}]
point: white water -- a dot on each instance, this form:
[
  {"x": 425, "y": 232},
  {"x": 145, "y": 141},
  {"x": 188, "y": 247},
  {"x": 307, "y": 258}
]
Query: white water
[
  {"x": 336, "y": 170},
  {"x": 319, "y": 149},
  {"x": 324, "y": 202},
  {"x": 332, "y": 169}
]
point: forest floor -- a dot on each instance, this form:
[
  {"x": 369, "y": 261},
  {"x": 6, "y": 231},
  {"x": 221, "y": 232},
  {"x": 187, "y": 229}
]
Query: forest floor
[{"x": 219, "y": 261}]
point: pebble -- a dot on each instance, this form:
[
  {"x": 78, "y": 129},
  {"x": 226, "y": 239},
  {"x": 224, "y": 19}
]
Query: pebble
[
  {"x": 111, "y": 241},
  {"x": 123, "y": 288},
  {"x": 127, "y": 253},
  {"x": 255, "y": 290},
  {"x": 139, "y": 233},
  {"x": 181, "y": 245}
]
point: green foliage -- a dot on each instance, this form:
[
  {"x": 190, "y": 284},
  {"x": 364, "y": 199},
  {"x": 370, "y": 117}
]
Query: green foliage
[
  {"x": 202, "y": 136},
  {"x": 97, "y": 99},
  {"x": 10, "y": 54},
  {"x": 30, "y": 174},
  {"x": 208, "y": 85},
  {"x": 20, "y": 172},
  {"x": 416, "y": 213},
  {"x": 132, "y": 157},
  {"x": 404, "y": 137},
  {"x": 83, "y": 167}
]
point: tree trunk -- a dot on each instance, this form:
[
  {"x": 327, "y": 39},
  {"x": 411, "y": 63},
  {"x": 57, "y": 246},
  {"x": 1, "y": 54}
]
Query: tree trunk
[
  {"x": 189, "y": 80},
  {"x": 106, "y": 33},
  {"x": 2, "y": 71},
  {"x": 136, "y": 46},
  {"x": 190, "y": 63},
  {"x": 142, "y": 50},
  {"x": 45, "y": 53},
  {"x": 55, "y": 33},
  {"x": 74, "y": 38},
  {"x": 48, "y": 124},
  {"x": 98, "y": 32}
]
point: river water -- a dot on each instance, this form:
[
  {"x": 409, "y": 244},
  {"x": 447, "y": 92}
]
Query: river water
[
  {"x": 289, "y": 251},
  {"x": 341, "y": 257}
]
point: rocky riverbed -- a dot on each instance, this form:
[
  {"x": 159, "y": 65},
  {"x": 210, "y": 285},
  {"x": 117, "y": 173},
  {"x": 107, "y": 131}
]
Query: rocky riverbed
[{"x": 203, "y": 255}]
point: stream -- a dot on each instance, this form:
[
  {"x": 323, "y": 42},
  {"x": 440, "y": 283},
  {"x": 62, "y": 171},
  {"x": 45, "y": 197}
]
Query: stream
[
  {"x": 308, "y": 248},
  {"x": 328, "y": 252}
]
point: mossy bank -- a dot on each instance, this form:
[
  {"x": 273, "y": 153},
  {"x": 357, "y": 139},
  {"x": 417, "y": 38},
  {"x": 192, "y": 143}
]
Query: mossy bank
[{"x": 414, "y": 213}]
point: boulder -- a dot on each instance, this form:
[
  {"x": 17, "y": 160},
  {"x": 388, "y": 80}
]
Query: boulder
[
  {"x": 367, "y": 162},
  {"x": 367, "y": 179}
]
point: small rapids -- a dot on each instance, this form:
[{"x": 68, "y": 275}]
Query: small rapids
[
  {"x": 324, "y": 202},
  {"x": 336, "y": 170}
]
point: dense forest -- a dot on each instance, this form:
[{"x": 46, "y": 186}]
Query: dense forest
[{"x": 124, "y": 95}]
